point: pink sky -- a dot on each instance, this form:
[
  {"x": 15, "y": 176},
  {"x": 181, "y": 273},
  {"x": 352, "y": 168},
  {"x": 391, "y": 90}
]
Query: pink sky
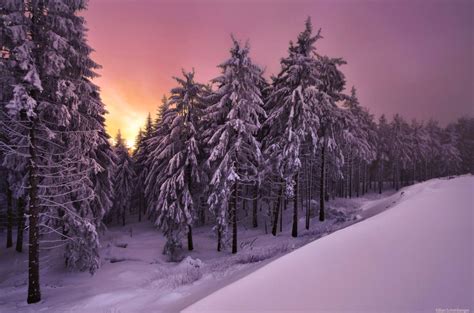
[{"x": 410, "y": 57}]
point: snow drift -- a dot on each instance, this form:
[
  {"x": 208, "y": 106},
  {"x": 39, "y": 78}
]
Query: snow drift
[{"x": 415, "y": 257}]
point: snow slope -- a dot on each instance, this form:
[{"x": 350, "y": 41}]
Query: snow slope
[
  {"x": 135, "y": 277},
  {"x": 415, "y": 257}
]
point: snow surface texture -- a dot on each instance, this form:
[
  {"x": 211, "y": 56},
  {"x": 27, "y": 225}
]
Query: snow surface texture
[
  {"x": 415, "y": 257},
  {"x": 135, "y": 277}
]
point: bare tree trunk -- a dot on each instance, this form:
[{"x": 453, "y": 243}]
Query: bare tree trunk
[
  {"x": 326, "y": 184},
  {"x": 281, "y": 215},
  {"x": 311, "y": 213},
  {"x": 307, "y": 213},
  {"x": 276, "y": 212},
  {"x": 350, "y": 177},
  {"x": 140, "y": 207},
  {"x": 358, "y": 180},
  {"x": 21, "y": 224},
  {"x": 219, "y": 238},
  {"x": 414, "y": 172},
  {"x": 234, "y": 219},
  {"x": 322, "y": 187},
  {"x": 244, "y": 201},
  {"x": 380, "y": 177},
  {"x": 202, "y": 212},
  {"x": 190, "y": 238},
  {"x": 397, "y": 177},
  {"x": 366, "y": 178},
  {"x": 9, "y": 218},
  {"x": 294, "y": 229},
  {"x": 34, "y": 293},
  {"x": 255, "y": 208}
]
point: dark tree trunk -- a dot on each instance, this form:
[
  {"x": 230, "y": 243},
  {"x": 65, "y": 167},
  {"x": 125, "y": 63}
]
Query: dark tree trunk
[
  {"x": 255, "y": 208},
  {"x": 311, "y": 213},
  {"x": 140, "y": 207},
  {"x": 294, "y": 229},
  {"x": 281, "y": 216},
  {"x": 322, "y": 184},
  {"x": 285, "y": 203},
  {"x": 350, "y": 177},
  {"x": 21, "y": 225},
  {"x": 190, "y": 238},
  {"x": 381, "y": 177},
  {"x": 123, "y": 218},
  {"x": 364, "y": 177},
  {"x": 307, "y": 213},
  {"x": 219, "y": 238},
  {"x": 415, "y": 178},
  {"x": 34, "y": 293},
  {"x": 202, "y": 212},
  {"x": 276, "y": 212},
  {"x": 244, "y": 201},
  {"x": 368, "y": 178},
  {"x": 357, "y": 187},
  {"x": 326, "y": 184},
  {"x": 9, "y": 218},
  {"x": 234, "y": 219},
  {"x": 396, "y": 178}
]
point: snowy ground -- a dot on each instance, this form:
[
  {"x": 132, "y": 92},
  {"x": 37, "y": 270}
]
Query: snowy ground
[
  {"x": 137, "y": 278},
  {"x": 415, "y": 257}
]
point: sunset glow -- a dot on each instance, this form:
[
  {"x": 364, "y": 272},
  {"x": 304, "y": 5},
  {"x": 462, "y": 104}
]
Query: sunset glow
[
  {"x": 153, "y": 151},
  {"x": 412, "y": 57}
]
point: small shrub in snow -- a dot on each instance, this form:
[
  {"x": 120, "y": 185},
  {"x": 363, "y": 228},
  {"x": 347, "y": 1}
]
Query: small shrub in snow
[
  {"x": 187, "y": 272},
  {"x": 259, "y": 255},
  {"x": 338, "y": 216}
]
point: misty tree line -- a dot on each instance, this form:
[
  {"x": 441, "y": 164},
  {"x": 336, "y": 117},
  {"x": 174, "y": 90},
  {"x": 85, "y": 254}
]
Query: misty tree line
[{"x": 237, "y": 146}]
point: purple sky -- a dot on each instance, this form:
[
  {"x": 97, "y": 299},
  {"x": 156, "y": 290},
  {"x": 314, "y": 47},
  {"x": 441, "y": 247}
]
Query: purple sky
[{"x": 410, "y": 57}]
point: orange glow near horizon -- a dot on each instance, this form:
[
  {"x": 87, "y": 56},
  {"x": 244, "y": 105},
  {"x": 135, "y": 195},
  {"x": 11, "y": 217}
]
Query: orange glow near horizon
[
  {"x": 123, "y": 113},
  {"x": 397, "y": 52}
]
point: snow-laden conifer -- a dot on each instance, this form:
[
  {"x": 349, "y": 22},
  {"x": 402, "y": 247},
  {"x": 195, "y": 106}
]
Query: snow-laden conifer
[
  {"x": 233, "y": 120},
  {"x": 173, "y": 182},
  {"x": 292, "y": 120},
  {"x": 124, "y": 178}
]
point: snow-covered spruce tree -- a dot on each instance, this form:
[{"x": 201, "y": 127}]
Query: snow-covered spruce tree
[
  {"x": 123, "y": 179},
  {"x": 75, "y": 115},
  {"x": 102, "y": 155},
  {"x": 233, "y": 119},
  {"x": 420, "y": 149},
  {"x": 59, "y": 112},
  {"x": 161, "y": 129},
  {"x": 451, "y": 156},
  {"x": 141, "y": 170},
  {"x": 160, "y": 112},
  {"x": 332, "y": 119},
  {"x": 20, "y": 86},
  {"x": 383, "y": 150},
  {"x": 179, "y": 180},
  {"x": 400, "y": 149},
  {"x": 5, "y": 87},
  {"x": 292, "y": 120},
  {"x": 139, "y": 158},
  {"x": 464, "y": 128},
  {"x": 360, "y": 138}
]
